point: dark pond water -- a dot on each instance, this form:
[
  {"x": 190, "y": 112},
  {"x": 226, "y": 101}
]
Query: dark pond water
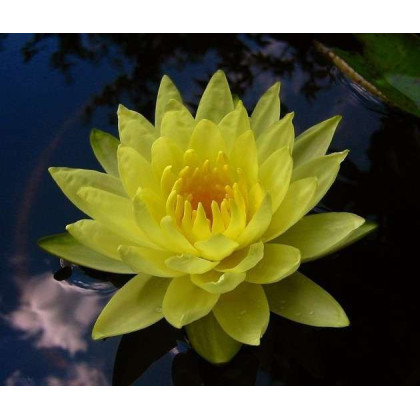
[{"x": 54, "y": 89}]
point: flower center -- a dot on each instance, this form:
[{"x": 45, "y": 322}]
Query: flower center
[{"x": 205, "y": 184}]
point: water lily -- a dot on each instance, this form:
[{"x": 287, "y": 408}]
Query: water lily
[{"x": 210, "y": 215}]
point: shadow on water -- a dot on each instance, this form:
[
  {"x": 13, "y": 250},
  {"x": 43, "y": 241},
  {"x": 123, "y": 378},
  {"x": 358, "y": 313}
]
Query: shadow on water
[{"x": 375, "y": 280}]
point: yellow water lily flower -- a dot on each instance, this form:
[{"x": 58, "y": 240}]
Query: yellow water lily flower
[{"x": 209, "y": 212}]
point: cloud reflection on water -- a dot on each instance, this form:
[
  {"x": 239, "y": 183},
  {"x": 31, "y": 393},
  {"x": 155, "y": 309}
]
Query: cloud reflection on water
[{"x": 55, "y": 314}]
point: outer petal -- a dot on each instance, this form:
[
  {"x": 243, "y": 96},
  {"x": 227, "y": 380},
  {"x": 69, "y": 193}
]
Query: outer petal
[
  {"x": 279, "y": 262},
  {"x": 293, "y": 207},
  {"x": 317, "y": 234},
  {"x": 65, "y": 246},
  {"x": 210, "y": 341},
  {"x": 136, "y": 131},
  {"x": 71, "y": 180},
  {"x": 354, "y": 236},
  {"x": 137, "y": 305},
  {"x": 105, "y": 147},
  {"x": 97, "y": 237},
  {"x": 243, "y": 260},
  {"x": 279, "y": 134},
  {"x": 275, "y": 175},
  {"x": 243, "y": 313},
  {"x": 113, "y": 211},
  {"x": 190, "y": 264},
  {"x": 267, "y": 110},
  {"x": 184, "y": 302},
  {"x": 315, "y": 141},
  {"x": 135, "y": 171},
  {"x": 167, "y": 91},
  {"x": 215, "y": 282},
  {"x": 234, "y": 124},
  {"x": 146, "y": 260},
  {"x": 301, "y": 300},
  {"x": 325, "y": 169},
  {"x": 216, "y": 101}
]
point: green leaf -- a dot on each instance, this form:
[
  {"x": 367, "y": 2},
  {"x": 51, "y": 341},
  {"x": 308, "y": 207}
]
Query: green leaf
[
  {"x": 314, "y": 142},
  {"x": 301, "y": 300},
  {"x": 65, "y": 246},
  {"x": 105, "y": 147},
  {"x": 137, "y": 305},
  {"x": 267, "y": 110},
  {"x": 389, "y": 65},
  {"x": 210, "y": 341},
  {"x": 216, "y": 101},
  {"x": 243, "y": 313},
  {"x": 317, "y": 234}
]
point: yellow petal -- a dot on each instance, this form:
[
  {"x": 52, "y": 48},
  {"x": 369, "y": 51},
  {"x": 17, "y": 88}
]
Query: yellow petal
[
  {"x": 184, "y": 302},
  {"x": 105, "y": 147},
  {"x": 316, "y": 234},
  {"x": 174, "y": 238},
  {"x": 275, "y": 174},
  {"x": 234, "y": 124},
  {"x": 71, "y": 180},
  {"x": 216, "y": 247},
  {"x": 165, "y": 152},
  {"x": 113, "y": 211},
  {"x": 207, "y": 140},
  {"x": 325, "y": 169},
  {"x": 190, "y": 264},
  {"x": 301, "y": 300},
  {"x": 243, "y": 260},
  {"x": 135, "y": 171},
  {"x": 210, "y": 341},
  {"x": 243, "y": 313},
  {"x": 96, "y": 236},
  {"x": 65, "y": 246},
  {"x": 315, "y": 141},
  {"x": 244, "y": 155},
  {"x": 147, "y": 260},
  {"x": 216, "y": 101},
  {"x": 178, "y": 126},
  {"x": 135, "y": 131},
  {"x": 216, "y": 282},
  {"x": 167, "y": 91},
  {"x": 137, "y": 305},
  {"x": 258, "y": 224},
  {"x": 267, "y": 110},
  {"x": 293, "y": 207},
  {"x": 279, "y": 135},
  {"x": 279, "y": 262}
]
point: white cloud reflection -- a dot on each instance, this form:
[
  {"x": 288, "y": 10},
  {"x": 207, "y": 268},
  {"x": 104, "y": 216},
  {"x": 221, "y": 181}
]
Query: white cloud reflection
[{"x": 55, "y": 314}]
